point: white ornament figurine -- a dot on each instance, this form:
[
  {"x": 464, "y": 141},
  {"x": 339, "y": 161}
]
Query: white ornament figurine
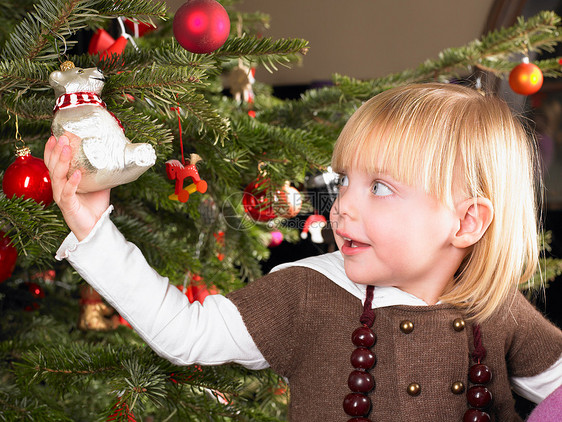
[
  {"x": 314, "y": 225},
  {"x": 103, "y": 153}
]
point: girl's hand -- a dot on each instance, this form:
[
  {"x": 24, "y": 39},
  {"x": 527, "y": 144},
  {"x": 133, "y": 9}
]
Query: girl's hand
[{"x": 81, "y": 211}]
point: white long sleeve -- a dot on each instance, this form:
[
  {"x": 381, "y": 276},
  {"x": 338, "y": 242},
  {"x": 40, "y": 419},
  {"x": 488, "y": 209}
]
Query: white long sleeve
[{"x": 183, "y": 333}]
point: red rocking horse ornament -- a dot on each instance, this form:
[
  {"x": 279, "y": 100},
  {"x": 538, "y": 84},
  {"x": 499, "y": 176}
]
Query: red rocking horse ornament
[{"x": 178, "y": 172}]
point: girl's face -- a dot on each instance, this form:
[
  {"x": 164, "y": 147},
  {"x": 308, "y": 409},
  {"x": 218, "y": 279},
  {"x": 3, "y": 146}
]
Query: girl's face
[{"x": 391, "y": 234}]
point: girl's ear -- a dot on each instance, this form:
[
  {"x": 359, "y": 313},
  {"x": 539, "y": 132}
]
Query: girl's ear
[{"x": 475, "y": 216}]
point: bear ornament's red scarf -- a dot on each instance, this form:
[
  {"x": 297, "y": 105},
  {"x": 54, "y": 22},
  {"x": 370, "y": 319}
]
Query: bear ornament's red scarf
[{"x": 77, "y": 99}]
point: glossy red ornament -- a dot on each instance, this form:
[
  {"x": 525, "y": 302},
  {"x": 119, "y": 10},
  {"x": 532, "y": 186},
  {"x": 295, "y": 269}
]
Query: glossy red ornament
[
  {"x": 357, "y": 404},
  {"x": 29, "y": 177},
  {"x": 263, "y": 205},
  {"x": 36, "y": 290},
  {"x": 525, "y": 78},
  {"x": 8, "y": 257},
  {"x": 258, "y": 202},
  {"x": 201, "y": 26},
  {"x": 276, "y": 239}
]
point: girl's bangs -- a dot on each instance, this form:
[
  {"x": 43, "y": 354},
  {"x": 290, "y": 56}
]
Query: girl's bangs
[{"x": 407, "y": 151}]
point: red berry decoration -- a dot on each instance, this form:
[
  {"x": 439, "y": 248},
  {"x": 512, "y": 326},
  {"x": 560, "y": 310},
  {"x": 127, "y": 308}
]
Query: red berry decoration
[
  {"x": 29, "y": 177},
  {"x": 8, "y": 257},
  {"x": 201, "y": 26},
  {"x": 525, "y": 78}
]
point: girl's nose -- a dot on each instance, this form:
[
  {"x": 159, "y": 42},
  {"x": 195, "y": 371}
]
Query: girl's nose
[{"x": 344, "y": 205}]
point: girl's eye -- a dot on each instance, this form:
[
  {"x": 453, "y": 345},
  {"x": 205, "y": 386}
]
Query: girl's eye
[
  {"x": 380, "y": 189},
  {"x": 342, "y": 180}
]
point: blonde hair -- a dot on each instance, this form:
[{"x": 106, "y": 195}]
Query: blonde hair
[{"x": 437, "y": 136}]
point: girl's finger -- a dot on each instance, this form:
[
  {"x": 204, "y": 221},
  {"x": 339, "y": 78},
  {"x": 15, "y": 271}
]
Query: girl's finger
[
  {"x": 68, "y": 194},
  {"x": 49, "y": 150},
  {"x": 59, "y": 170},
  {"x": 55, "y": 153}
]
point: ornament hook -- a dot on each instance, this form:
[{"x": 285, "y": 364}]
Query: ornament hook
[{"x": 22, "y": 150}]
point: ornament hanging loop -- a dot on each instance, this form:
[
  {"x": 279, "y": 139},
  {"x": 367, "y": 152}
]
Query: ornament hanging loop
[
  {"x": 57, "y": 46},
  {"x": 21, "y": 150}
]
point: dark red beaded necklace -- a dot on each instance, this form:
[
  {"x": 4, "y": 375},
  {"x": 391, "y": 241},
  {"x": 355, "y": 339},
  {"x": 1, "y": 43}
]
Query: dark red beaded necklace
[
  {"x": 478, "y": 396},
  {"x": 357, "y": 404}
]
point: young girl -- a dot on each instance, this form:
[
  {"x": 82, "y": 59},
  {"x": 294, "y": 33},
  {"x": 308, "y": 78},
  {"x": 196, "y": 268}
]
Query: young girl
[{"x": 417, "y": 317}]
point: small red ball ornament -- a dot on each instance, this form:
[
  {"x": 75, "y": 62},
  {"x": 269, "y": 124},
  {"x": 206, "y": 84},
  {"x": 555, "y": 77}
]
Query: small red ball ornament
[
  {"x": 8, "y": 257},
  {"x": 257, "y": 201},
  {"x": 201, "y": 26},
  {"x": 29, "y": 177},
  {"x": 263, "y": 205},
  {"x": 525, "y": 78}
]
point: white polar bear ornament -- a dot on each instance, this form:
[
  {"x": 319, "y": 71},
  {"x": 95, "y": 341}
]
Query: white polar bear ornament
[{"x": 102, "y": 153}]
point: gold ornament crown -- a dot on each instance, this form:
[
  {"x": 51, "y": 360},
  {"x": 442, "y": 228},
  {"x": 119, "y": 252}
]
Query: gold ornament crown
[{"x": 66, "y": 65}]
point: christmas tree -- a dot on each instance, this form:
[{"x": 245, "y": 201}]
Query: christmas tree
[{"x": 65, "y": 356}]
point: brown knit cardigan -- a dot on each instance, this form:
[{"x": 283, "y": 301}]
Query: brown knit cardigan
[{"x": 302, "y": 323}]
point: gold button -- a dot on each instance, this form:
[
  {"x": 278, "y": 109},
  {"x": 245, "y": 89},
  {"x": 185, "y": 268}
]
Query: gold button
[
  {"x": 407, "y": 326},
  {"x": 458, "y": 324},
  {"x": 414, "y": 389},
  {"x": 457, "y": 387}
]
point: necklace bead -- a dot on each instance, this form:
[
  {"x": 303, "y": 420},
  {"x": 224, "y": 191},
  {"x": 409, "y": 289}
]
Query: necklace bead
[
  {"x": 359, "y": 420},
  {"x": 357, "y": 404},
  {"x": 479, "y": 396},
  {"x": 475, "y": 415},
  {"x": 363, "y": 358},
  {"x": 360, "y": 382},
  {"x": 363, "y": 337},
  {"x": 480, "y": 374}
]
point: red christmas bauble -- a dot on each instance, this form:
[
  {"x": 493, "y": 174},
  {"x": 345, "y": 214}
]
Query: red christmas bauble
[
  {"x": 201, "y": 26},
  {"x": 258, "y": 202},
  {"x": 262, "y": 205},
  {"x": 525, "y": 78},
  {"x": 276, "y": 239},
  {"x": 29, "y": 177},
  {"x": 8, "y": 257}
]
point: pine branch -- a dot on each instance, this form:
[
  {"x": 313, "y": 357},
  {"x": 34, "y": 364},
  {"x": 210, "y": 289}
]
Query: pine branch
[
  {"x": 16, "y": 405},
  {"x": 263, "y": 51},
  {"x": 40, "y": 35},
  {"x": 491, "y": 52},
  {"x": 35, "y": 232},
  {"x": 24, "y": 75}
]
